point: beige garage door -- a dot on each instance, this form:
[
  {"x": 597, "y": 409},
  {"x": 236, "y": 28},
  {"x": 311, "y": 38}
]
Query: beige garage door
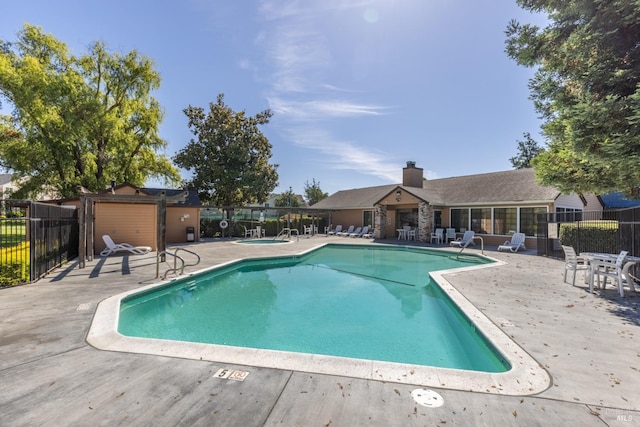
[{"x": 126, "y": 223}]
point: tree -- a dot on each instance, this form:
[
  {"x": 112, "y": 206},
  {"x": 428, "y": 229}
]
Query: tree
[
  {"x": 313, "y": 193},
  {"x": 527, "y": 151},
  {"x": 229, "y": 156},
  {"x": 287, "y": 199},
  {"x": 587, "y": 90},
  {"x": 84, "y": 121}
]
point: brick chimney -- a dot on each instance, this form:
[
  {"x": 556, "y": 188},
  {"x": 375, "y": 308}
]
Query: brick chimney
[{"x": 411, "y": 175}]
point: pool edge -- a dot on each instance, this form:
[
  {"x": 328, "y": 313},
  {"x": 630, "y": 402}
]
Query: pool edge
[{"x": 526, "y": 376}]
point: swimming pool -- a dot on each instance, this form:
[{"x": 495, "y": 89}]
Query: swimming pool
[
  {"x": 348, "y": 301},
  {"x": 524, "y": 375}
]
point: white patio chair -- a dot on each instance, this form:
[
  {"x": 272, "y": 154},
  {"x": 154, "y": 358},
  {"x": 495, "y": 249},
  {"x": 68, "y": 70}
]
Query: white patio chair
[
  {"x": 573, "y": 262},
  {"x": 362, "y": 232},
  {"x": 451, "y": 234},
  {"x": 336, "y": 231},
  {"x": 113, "y": 247},
  {"x": 609, "y": 268},
  {"x": 516, "y": 242},
  {"x": 465, "y": 240},
  {"x": 346, "y": 233},
  {"x": 438, "y": 235},
  {"x": 355, "y": 233}
]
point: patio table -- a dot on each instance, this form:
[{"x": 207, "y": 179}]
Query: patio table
[{"x": 595, "y": 257}]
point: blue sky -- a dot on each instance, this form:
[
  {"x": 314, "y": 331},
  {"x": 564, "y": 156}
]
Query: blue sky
[{"x": 357, "y": 87}]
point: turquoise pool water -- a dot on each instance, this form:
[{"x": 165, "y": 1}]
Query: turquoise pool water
[
  {"x": 262, "y": 242},
  {"x": 351, "y": 301}
]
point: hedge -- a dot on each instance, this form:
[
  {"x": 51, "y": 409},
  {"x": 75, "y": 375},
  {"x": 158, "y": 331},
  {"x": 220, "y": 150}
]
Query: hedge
[{"x": 594, "y": 236}]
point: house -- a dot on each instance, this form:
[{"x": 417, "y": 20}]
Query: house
[
  {"x": 494, "y": 205},
  {"x": 7, "y": 185},
  {"x": 133, "y": 215}
]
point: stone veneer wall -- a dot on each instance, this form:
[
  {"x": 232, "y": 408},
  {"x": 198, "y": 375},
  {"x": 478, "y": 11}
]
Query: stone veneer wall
[
  {"x": 381, "y": 221},
  {"x": 425, "y": 221}
]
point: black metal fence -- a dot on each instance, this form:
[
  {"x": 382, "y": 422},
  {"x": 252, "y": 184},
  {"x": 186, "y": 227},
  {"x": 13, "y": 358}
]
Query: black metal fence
[
  {"x": 34, "y": 239},
  {"x": 608, "y": 231}
]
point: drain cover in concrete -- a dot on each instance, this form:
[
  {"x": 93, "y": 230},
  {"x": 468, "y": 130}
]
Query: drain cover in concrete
[{"x": 428, "y": 398}]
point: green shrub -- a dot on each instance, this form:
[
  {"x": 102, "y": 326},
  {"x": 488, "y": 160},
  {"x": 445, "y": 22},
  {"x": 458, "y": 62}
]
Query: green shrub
[{"x": 593, "y": 236}]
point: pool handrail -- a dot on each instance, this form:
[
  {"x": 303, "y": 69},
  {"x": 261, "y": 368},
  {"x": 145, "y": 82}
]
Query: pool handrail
[
  {"x": 471, "y": 240},
  {"x": 176, "y": 257}
]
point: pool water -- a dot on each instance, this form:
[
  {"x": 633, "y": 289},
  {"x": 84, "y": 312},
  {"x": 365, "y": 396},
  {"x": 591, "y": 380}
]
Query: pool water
[
  {"x": 359, "y": 302},
  {"x": 262, "y": 242}
]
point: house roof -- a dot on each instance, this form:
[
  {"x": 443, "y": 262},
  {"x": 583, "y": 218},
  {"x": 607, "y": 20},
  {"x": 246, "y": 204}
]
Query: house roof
[
  {"x": 512, "y": 186},
  {"x": 518, "y": 185},
  {"x": 357, "y": 198},
  {"x": 192, "y": 198}
]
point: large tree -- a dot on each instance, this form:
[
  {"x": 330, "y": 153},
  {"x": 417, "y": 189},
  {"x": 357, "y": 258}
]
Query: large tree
[
  {"x": 229, "y": 156},
  {"x": 527, "y": 151},
  {"x": 587, "y": 91},
  {"x": 313, "y": 192},
  {"x": 78, "y": 120}
]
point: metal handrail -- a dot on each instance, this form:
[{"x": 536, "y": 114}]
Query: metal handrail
[
  {"x": 472, "y": 239},
  {"x": 176, "y": 257}
]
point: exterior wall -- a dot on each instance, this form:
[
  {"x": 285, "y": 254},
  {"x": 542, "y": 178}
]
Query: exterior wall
[
  {"x": 178, "y": 219},
  {"x": 569, "y": 201},
  {"x": 593, "y": 203},
  {"x": 125, "y": 223},
  {"x": 347, "y": 218}
]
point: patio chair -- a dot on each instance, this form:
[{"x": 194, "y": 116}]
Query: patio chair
[
  {"x": 438, "y": 235},
  {"x": 369, "y": 234},
  {"x": 465, "y": 240},
  {"x": 609, "y": 268},
  {"x": 247, "y": 232},
  {"x": 362, "y": 231},
  {"x": 516, "y": 242},
  {"x": 112, "y": 247},
  {"x": 451, "y": 234},
  {"x": 574, "y": 263},
  {"x": 346, "y": 233},
  {"x": 336, "y": 231},
  {"x": 412, "y": 233}
]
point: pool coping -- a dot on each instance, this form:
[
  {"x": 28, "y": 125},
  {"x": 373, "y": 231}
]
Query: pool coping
[{"x": 526, "y": 376}]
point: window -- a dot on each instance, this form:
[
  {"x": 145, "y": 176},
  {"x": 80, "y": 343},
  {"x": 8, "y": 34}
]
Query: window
[
  {"x": 481, "y": 220},
  {"x": 505, "y": 221},
  {"x": 459, "y": 218},
  {"x": 529, "y": 220},
  {"x": 368, "y": 218},
  {"x": 568, "y": 214}
]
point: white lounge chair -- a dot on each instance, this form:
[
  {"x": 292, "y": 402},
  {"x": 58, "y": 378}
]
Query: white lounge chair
[
  {"x": 369, "y": 234},
  {"x": 465, "y": 240},
  {"x": 516, "y": 242},
  {"x": 574, "y": 263},
  {"x": 112, "y": 247},
  {"x": 336, "y": 231},
  {"x": 360, "y": 231},
  {"x": 346, "y": 233}
]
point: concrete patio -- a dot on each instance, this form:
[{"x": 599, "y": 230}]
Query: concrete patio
[{"x": 50, "y": 376}]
